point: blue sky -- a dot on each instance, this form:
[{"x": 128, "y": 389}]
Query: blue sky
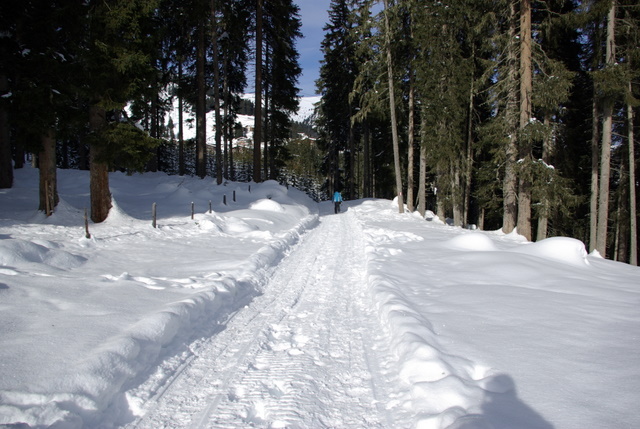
[{"x": 314, "y": 16}]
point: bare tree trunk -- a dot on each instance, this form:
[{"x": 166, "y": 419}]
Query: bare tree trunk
[
  {"x": 216, "y": 92},
  {"x": 468, "y": 171},
  {"x": 547, "y": 151},
  {"x": 455, "y": 193},
  {"x": 633, "y": 242},
  {"x": 595, "y": 163},
  {"x": 6, "y": 164},
  {"x": 226, "y": 131},
  {"x": 98, "y": 169},
  {"x": 605, "y": 154},
  {"x": 352, "y": 161},
  {"x": 48, "y": 178},
  {"x": 181, "y": 166},
  {"x": 526, "y": 82},
  {"x": 201, "y": 113},
  {"x": 366, "y": 138},
  {"x": 510, "y": 182},
  {"x": 411, "y": 144},
  {"x": 422, "y": 186},
  {"x": 392, "y": 107},
  {"x": 257, "y": 129}
]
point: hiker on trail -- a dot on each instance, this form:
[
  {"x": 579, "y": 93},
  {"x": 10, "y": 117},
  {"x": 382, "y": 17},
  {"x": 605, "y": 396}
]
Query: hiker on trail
[{"x": 337, "y": 199}]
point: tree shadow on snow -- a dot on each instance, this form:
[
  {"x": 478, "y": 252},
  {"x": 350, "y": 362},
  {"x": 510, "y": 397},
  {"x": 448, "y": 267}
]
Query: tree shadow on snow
[{"x": 502, "y": 409}]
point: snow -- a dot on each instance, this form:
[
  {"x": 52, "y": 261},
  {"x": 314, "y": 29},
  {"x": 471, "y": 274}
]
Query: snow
[{"x": 271, "y": 311}]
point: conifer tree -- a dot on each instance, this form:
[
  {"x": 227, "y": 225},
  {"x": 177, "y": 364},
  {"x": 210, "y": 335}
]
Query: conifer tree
[
  {"x": 281, "y": 29},
  {"x": 258, "y": 120},
  {"x": 116, "y": 65},
  {"x": 337, "y": 76}
]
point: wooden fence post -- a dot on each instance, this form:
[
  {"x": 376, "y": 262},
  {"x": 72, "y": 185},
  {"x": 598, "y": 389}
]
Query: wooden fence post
[
  {"x": 153, "y": 214},
  {"x": 86, "y": 224},
  {"x": 193, "y": 209}
]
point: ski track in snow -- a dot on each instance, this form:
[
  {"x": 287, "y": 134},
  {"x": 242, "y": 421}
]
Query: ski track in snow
[{"x": 309, "y": 352}]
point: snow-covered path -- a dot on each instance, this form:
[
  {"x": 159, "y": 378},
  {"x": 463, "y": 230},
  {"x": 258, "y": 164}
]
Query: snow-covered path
[{"x": 309, "y": 352}]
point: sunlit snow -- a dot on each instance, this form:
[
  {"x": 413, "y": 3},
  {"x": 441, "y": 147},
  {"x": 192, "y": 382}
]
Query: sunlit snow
[{"x": 271, "y": 311}]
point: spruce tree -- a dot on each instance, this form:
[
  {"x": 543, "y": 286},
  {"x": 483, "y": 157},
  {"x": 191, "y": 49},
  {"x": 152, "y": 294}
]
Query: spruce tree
[{"x": 281, "y": 29}]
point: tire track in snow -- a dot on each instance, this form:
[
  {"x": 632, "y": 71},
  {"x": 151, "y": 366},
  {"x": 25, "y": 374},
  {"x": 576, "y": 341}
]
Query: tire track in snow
[{"x": 307, "y": 353}]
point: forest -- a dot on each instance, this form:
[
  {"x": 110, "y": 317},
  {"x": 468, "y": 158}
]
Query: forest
[
  {"x": 499, "y": 114},
  {"x": 516, "y": 115}
]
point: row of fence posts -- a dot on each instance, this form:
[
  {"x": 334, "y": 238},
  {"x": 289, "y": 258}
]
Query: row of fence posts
[
  {"x": 154, "y": 222},
  {"x": 193, "y": 208}
]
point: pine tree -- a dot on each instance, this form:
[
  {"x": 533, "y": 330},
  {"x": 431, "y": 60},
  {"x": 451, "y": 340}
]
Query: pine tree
[
  {"x": 116, "y": 65},
  {"x": 281, "y": 29},
  {"x": 337, "y": 76}
]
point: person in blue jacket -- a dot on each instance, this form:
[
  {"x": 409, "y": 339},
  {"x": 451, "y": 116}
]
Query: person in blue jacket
[{"x": 337, "y": 199}]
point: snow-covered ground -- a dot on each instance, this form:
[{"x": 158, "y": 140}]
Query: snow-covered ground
[{"x": 271, "y": 311}]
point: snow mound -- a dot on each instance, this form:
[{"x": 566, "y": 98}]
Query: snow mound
[
  {"x": 237, "y": 226},
  {"x": 16, "y": 252},
  {"x": 473, "y": 241},
  {"x": 267, "y": 205},
  {"x": 561, "y": 249},
  {"x": 117, "y": 216}
]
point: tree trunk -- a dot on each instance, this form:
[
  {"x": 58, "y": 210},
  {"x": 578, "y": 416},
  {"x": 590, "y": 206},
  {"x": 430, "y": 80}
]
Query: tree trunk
[
  {"x": 181, "y": 166},
  {"x": 605, "y": 149},
  {"x": 201, "y": 111},
  {"x": 6, "y": 164},
  {"x": 216, "y": 92},
  {"x": 257, "y": 129},
  {"x": 422, "y": 175},
  {"x": 352, "y": 161},
  {"x": 595, "y": 163},
  {"x": 524, "y": 185},
  {"x": 510, "y": 182},
  {"x": 547, "y": 151},
  {"x": 633, "y": 242},
  {"x": 469, "y": 156},
  {"x": 392, "y": 107},
  {"x": 366, "y": 138},
  {"x": 411, "y": 144},
  {"x": 455, "y": 193},
  {"x": 98, "y": 170},
  {"x": 422, "y": 185},
  {"x": 226, "y": 143},
  {"x": 48, "y": 180}
]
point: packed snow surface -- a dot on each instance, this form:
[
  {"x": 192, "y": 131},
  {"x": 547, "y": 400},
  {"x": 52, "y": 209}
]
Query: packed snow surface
[{"x": 271, "y": 311}]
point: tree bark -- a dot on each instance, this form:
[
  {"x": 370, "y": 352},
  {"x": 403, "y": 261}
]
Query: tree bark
[
  {"x": 524, "y": 185},
  {"x": 422, "y": 185},
  {"x": 6, "y": 163},
  {"x": 633, "y": 242},
  {"x": 595, "y": 162},
  {"x": 98, "y": 169},
  {"x": 216, "y": 92},
  {"x": 392, "y": 107},
  {"x": 48, "y": 178},
  {"x": 510, "y": 182},
  {"x": 201, "y": 118},
  {"x": 605, "y": 149},
  {"x": 469, "y": 155},
  {"x": 366, "y": 138},
  {"x": 547, "y": 151},
  {"x": 257, "y": 129},
  {"x": 410, "y": 144},
  {"x": 181, "y": 166}
]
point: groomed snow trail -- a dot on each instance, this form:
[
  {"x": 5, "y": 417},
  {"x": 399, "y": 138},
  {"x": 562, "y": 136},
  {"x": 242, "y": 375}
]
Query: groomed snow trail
[{"x": 309, "y": 352}]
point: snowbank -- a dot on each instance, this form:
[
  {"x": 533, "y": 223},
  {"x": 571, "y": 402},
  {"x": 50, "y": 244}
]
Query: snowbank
[{"x": 85, "y": 319}]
